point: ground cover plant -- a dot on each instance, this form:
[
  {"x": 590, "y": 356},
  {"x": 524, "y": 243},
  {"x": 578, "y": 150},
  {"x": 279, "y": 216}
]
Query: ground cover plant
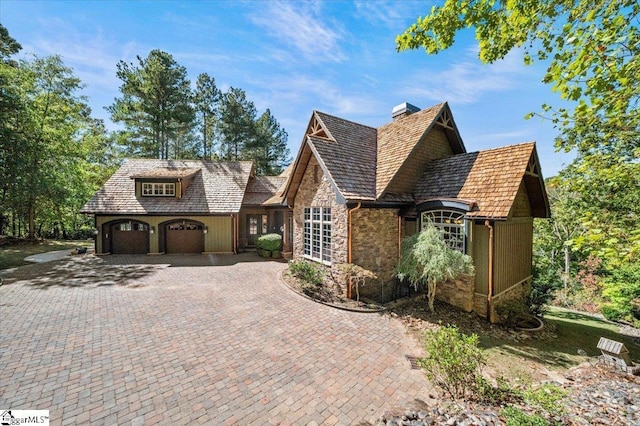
[{"x": 12, "y": 253}]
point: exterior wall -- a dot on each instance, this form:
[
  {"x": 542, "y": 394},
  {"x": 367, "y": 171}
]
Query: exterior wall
[
  {"x": 513, "y": 253},
  {"x": 513, "y": 250},
  {"x": 219, "y": 237},
  {"x": 434, "y": 146},
  {"x": 374, "y": 240},
  {"x": 315, "y": 191},
  {"x": 480, "y": 254},
  {"x": 521, "y": 206},
  {"x": 458, "y": 293},
  {"x": 271, "y": 224},
  {"x": 374, "y": 246},
  {"x": 518, "y": 291}
]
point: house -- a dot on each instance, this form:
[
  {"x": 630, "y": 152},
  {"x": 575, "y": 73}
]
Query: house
[
  {"x": 170, "y": 206},
  {"x": 357, "y": 191}
]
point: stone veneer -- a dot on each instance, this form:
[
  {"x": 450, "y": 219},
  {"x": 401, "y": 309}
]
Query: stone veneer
[
  {"x": 516, "y": 292},
  {"x": 374, "y": 246},
  {"x": 458, "y": 292},
  {"x": 319, "y": 193}
]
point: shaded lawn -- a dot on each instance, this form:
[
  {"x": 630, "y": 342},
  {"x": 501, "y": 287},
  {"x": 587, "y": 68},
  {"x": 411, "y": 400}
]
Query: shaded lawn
[
  {"x": 522, "y": 355},
  {"x": 558, "y": 350},
  {"x": 13, "y": 254}
]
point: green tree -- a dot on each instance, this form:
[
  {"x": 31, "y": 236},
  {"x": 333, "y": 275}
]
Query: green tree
[
  {"x": 269, "y": 147},
  {"x": 426, "y": 259},
  {"x": 8, "y": 45},
  {"x": 45, "y": 154},
  {"x": 207, "y": 99},
  {"x": 591, "y": 48},
  {"x": 237, "y": 124},
  {"x": 155, "y": 107}
]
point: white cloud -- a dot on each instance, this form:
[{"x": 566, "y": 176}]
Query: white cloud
[
  {"x": 385, "y": 12},
  {"x": 468, "y": 80},
  {"x": 301, "y": 25}
]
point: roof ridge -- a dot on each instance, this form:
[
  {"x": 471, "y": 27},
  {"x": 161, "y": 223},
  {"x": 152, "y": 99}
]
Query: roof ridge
[
  {"x": 513, "y": 145},
  {"x": 344, "y": 119}
]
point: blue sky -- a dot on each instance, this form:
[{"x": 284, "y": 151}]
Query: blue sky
[{"x": 338, "y": 57}]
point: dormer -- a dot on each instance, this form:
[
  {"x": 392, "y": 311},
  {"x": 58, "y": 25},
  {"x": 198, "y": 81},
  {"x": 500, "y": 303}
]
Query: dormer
[{"x": 170, "y": 182}]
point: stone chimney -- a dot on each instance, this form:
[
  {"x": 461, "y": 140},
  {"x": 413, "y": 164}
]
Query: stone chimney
[{"x": 403, "y": 110}]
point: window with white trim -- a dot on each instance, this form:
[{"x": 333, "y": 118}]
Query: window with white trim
[
  {"x": 451, "y": 223},
  {"x": 158, "y": 189},
  {"x": 317, "y": 234}
]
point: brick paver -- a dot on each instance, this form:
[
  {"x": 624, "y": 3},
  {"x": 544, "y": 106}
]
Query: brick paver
[{"x": 192, "y": 340}]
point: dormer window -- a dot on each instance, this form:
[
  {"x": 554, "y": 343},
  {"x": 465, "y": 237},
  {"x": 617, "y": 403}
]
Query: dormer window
[{"x": 150, "y": 189}]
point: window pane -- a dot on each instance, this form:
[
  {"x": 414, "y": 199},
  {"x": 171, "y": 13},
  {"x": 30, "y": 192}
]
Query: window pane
[
  {"x": 316, "y": 214},
  {"x": 452, "y": 225},
  {"x": 326, "y": 242},
  {"x": 253, "y": 226},
  {"x": 307, "y": 239},
  {"x": 315, "y": 240},
  {"x": 169, "y": 189},
  {"x": 264, "y": 224},
  {"x": 326, "y": 215}
]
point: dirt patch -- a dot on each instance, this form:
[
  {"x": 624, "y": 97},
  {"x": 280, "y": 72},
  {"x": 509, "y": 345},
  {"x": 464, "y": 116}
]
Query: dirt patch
[{"x": 328, "y": 295}]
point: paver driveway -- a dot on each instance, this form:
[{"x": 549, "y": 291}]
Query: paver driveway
[{"x": 202, "y": 339}]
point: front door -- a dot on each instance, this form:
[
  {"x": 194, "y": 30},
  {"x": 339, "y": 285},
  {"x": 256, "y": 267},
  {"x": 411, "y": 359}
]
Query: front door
[{"x": 256, "y": 226}]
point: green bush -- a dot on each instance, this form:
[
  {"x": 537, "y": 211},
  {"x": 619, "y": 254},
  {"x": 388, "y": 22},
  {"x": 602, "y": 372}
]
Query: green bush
[
  {"x": 622, "y": 289},
  {"x": 307, "y": 272},
  {"x": 515, "y": 417},
  {"x": 269, "y": 242},
  {"x": 427, "y": 259},
  {"x": 454, "y": 361}
]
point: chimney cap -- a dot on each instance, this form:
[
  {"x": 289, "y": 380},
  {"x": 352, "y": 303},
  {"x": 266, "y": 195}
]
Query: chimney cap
[{"x": 404, "y": 108}]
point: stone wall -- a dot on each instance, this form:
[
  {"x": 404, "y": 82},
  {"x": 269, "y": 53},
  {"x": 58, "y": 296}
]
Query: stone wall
[
  {"x": 458, "y": 292},
  {"x": 315, "y": 191},
  {"x": 374, "y": 240},
  {"x": 516, "y": 292}
]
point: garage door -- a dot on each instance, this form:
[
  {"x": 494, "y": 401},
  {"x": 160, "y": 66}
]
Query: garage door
[
  {"x": 130, "y": 238},
  {"x": 185, "y": 237}
]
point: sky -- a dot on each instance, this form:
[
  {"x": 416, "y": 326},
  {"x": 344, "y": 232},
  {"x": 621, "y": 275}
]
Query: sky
[{"x": 293, "y": 57}]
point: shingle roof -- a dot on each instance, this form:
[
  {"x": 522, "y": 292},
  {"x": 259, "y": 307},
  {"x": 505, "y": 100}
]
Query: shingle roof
[
  {"x": 397, "y": 139},
  {"x": 490, "y": 178},
  {"x": 349, "y": 157},
  {"x": 260, "y": 189},
  {"x": 168, "y": 172},
  {"x": 218, "y": 187}
]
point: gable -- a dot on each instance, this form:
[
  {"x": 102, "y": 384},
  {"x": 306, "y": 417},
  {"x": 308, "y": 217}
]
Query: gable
[
  {"x": 406, "y": 145},
  {"x": 494, "y": 181},
  {"x": 346, "y": 155}
]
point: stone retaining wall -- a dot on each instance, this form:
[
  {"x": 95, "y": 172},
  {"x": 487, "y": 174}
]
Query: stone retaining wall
[{"x": 458, "y": 292}]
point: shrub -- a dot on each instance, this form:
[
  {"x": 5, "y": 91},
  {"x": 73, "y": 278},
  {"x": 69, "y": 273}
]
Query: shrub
[
  {"x": 426, "y": 260},
  {"x": 354, "y": 274},
  {"x": 307, "y": 272},
  {"x": 510, "y": 311},
  {"x": 269, "y": 242},
  {"x": 454, "y": 361},
  {"x": 515, "y": 417},
  {"x": 622, "y": 289}
]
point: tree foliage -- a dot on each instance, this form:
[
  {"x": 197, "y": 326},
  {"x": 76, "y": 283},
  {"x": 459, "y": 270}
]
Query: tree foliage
[
  {"x": 269, "y": 146},
  {"x": 426, "y": 259},
  {"x": 206, "y": 101},
  {"x": 155, "y": 107},
  {"x": 48, "y": 140},
  {"x": 590, "y": 48}
]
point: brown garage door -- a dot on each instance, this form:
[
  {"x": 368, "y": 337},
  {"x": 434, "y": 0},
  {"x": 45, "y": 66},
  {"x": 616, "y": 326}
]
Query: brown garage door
[
  {"x": 185, "y": 237},
  {"x": 130, "y": 238}
]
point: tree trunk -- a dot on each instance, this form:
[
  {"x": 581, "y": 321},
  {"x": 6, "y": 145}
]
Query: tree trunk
[
  {"x": 567, "y": 266},
  {"x": 32, "y": 218},
  {"x": 431, "y": 293}
]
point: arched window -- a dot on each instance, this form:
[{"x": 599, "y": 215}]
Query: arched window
[{"x": 451, "y": 222}]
